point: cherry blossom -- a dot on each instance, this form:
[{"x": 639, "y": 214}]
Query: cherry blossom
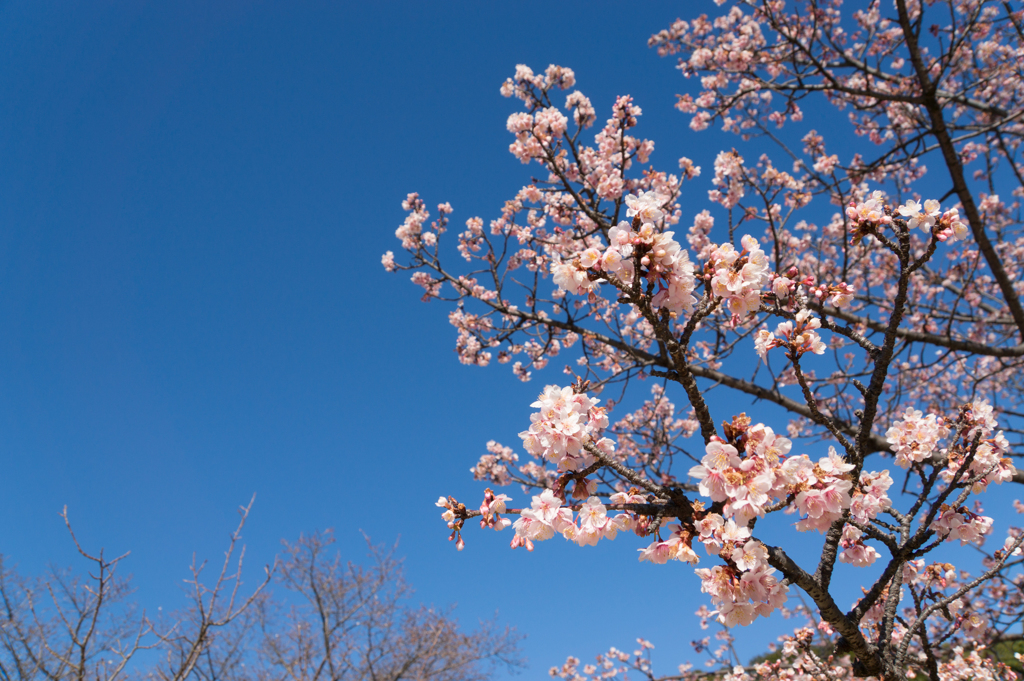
[
  {"x": 916, "y": 437},
  {"x": 920, "y": 217}
]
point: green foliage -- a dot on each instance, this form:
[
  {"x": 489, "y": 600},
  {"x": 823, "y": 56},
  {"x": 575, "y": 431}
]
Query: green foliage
[{"x": 1003, "y": 651}]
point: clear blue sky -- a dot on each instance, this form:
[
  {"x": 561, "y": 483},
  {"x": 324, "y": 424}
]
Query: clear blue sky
[{"x": 194, "y": 198}]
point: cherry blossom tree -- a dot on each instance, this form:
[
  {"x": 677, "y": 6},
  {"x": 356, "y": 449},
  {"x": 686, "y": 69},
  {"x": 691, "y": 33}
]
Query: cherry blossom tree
[{"x": 870, "y": 307}]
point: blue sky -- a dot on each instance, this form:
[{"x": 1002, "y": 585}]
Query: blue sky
[{"x": 194, "y": 198}]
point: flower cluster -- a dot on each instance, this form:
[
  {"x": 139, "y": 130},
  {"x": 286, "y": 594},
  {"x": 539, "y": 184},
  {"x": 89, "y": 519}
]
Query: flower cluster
[
  {"x": 728, "y": 180},
  {"x": 839, "y": 295},
  {"x": 547, "y": 517},
  {"x": 744, "y": 595},
  {"x": 946, "y": 226},
  {"x": 739, "y": 276},
  {"x": 871, "y": 496},
  {"x": 495, "y": 465},
  {"x": 677, "y": 547},
  {"x": 746, "y": 586},
  {"x": 868, "y": 214},
  {"x": 454, "y": 515},
  {"x": 647, "y": 206},
  {"x": 722, "y": 537},
  {"x": 666, "y": 265},
  {"x": 541, "y": 521},
  {"x": 933, "y": 576},
  {"x": 799, "y": 336},
  {"x": 973, "y": 665},
  {"x": 525, "y": 82},
  {"x": 821, "y": 491},
  {"x": 412, "y": 227},
  {"x": 973, "y": 624},
  {"x": 661, "y": 258},
  {"x": 988, "y": 464},
  {"x": 572, "y": 275},
  {"x": 959, "y": 522},
  {"x": 951, "y": 228},
  {"x": 855, "y": 551},
  {"x": 918, "y": 216},
  {"x": 916, "y": 437},
  {"x": 595, "y": 523},
  {"x": 490, "y": 509},
  {"x": 566, "y": 423}
]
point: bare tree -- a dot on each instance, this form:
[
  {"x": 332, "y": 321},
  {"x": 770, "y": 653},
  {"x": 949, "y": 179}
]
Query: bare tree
[
  {"x": 68, "y": 627},
  {"x": 187, "y": 643},
  {"x": 349, "y": 621},
  {"x": 64, "y": 626},
  {"x": 333, "y": 620}
]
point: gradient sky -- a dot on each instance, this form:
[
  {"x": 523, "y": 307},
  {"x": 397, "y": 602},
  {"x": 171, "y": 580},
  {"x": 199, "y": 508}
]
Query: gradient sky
[{"x": 194, "y": 198}]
